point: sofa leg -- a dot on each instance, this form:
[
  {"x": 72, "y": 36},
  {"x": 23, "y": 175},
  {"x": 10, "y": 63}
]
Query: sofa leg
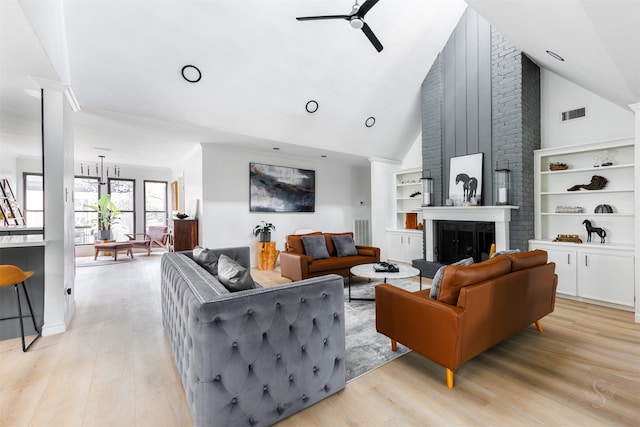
[
  {"x": 394, "y": 345},
  {"x": 538, "y": 326},
  {"x": 449, "y": 378}
]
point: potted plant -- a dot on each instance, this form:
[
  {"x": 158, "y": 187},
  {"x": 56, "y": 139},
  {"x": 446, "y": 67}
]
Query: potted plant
[
  {"x": 108, "y": 215},
  {"x": 264, "y": 231}
]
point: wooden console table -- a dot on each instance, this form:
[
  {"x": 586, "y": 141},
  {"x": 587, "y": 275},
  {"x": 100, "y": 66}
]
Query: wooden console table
[{"x": 267, "y": 255}]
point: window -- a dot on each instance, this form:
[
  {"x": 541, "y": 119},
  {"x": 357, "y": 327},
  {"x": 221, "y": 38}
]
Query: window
[
  {"x": 123, "y": 195},
  {"x": 85, "y": 192},
  {"x": 33, "y": 199},
  {"x": 155, "y": 203}
]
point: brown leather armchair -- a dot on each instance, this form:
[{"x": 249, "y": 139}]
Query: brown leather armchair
[{"x": 478, "y": 306}]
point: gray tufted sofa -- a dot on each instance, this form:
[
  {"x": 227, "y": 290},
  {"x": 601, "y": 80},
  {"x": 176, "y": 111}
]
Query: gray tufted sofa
[{"x": 254, "y": 357}]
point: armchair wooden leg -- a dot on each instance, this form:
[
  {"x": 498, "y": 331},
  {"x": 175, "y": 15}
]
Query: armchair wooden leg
[
  {"x": 394, "y": 345},
  {"x": 449, "y": 378},
  {"x": 538, "y": 326}
]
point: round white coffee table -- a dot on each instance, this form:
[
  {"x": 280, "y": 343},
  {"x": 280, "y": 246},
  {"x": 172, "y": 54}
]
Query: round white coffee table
[{"x": 367, "y": 271}]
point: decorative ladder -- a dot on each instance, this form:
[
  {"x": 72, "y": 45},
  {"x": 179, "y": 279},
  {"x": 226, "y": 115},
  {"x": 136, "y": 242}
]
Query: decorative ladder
[{"x": 10, "y": 212}]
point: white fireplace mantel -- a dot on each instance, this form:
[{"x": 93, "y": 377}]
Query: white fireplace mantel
[{"x": 499, "y": 215}]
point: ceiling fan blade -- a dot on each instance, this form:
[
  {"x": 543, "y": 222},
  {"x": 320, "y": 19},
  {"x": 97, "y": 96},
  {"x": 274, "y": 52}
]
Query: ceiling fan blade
[
  {"x": 313, "y": 18},
  {"x": 366, "y": 6},
  {"x": 372, "y": 37}
]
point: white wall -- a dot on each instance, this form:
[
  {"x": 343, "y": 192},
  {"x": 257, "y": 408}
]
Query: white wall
[
  {"x": 604, "y": 120},
  {"x": 382, "y": 201},
  {"x": 413, "y": 159},
  {"x": 226, "y": 220}
]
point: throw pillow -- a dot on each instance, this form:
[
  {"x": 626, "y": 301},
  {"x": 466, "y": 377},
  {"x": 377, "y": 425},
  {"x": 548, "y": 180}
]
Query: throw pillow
[
  {"x": 344, "y": 245},
  {"x": 234, "y": 276},
  {"x": 206, "y": 259},
  {"x": 506, "y": 252},
  {"x": 315, "y": 247},
  {"x": 437, "y": 278}
]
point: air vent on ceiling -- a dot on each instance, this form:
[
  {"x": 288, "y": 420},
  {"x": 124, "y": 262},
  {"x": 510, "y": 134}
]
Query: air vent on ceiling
[{"x": 573, "y": 114}]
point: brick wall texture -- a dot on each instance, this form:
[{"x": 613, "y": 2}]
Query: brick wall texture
[{"x": 515, "y": 128}]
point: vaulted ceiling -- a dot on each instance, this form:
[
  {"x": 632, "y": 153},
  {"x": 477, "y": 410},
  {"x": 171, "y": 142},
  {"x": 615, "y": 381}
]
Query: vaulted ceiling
[{"x": 260, "y": 66}]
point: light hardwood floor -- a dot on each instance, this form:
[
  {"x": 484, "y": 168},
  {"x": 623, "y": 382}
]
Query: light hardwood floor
[{"x": 113, "y": 367}]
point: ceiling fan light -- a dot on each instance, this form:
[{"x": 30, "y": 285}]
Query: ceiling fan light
[{"x": 356, "y": 23}]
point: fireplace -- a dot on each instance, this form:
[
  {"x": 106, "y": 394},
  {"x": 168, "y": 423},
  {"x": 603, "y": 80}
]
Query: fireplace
[
  {"x": 490, "y": 225},
  {"x": 456, "y": 240}
]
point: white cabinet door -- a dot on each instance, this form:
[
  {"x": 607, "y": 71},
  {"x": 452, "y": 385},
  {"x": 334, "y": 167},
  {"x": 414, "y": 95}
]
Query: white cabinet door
[
  {"x": 414, "y": 247},
  {"x": 606, "y": 277},
  {"x": 566, "y": 268},
  {"x": 395, "y": 246}
]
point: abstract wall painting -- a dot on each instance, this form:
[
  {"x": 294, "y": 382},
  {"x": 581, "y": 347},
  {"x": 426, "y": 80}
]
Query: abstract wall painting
[
  {"x": 281, "y": 189},
  {"x": 465, "y": 179}
]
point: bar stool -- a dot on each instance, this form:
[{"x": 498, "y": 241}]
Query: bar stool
[{"x": 12, "y": 275}]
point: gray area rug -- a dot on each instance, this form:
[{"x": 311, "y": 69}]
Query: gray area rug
[{"x": 366, "y": 348}]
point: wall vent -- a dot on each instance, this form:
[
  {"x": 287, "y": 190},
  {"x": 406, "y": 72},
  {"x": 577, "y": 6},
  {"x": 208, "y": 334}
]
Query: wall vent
[
  {"x": 362, "y": 233},
  {"x": 573, "y": 114}
]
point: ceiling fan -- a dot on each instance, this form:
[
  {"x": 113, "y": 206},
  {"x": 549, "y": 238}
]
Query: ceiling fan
[{"x": 356, "y": 20}]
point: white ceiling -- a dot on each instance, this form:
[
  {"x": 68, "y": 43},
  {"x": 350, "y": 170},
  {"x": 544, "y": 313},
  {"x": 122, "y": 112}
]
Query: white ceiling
[{"x": 260, "y": 66}]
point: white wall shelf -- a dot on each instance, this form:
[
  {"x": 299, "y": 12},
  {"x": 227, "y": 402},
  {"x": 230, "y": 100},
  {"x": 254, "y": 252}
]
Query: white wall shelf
[{"x": 591, "y": 271}]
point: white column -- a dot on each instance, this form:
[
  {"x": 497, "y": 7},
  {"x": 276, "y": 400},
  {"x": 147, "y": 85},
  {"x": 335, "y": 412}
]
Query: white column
[
  {"x": 59, "y": 304},
  {"x": 636, "y": 110}
]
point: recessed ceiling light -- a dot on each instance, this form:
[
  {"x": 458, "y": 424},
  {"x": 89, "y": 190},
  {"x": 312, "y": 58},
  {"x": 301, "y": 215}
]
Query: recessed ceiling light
[
  {"x": 312, "y": 106},
  {"x": 191, "y": 73},
  {"x": 324, "y": 156},
  {"x": 370, "y": 122},
  {"x": 276, "y": 148},
  {"x": 555, "y": 55}
]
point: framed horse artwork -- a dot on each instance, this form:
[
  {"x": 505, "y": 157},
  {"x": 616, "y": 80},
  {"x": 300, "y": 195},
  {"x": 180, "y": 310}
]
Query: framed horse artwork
[{"x": 465, "y": 180}]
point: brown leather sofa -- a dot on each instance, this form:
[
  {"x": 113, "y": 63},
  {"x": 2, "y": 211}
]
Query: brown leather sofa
[
  {"x": 295, "y": 264},
  {"x": 478, "y": 306}
]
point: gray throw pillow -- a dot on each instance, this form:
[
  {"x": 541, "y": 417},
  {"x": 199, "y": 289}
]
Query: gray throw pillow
[
  {"x": 437, "y": 278},
  {"x": 233, "y": 276},
  {"x": 206, "y": 259},
  {"x": 344, "y": 245},
  {"x": 505, "y": 252},
  {"x": 315, "y": 246}
]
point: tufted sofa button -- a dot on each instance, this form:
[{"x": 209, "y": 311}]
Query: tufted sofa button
[
  {"x": 235, "y": 344},
  {"x": 302, "y": 300},
  {"x": 279, "y": 410},
  {"x": 313, "y": 321},
  {"x": 324, "y": 341},
  {"x": 264, "y": 335},
  {"x": 234, "y": 400},
  {"x": 335, "y": 315},
  {"x": 250, "y": 368},
  {"x": 278, "y": 305},
  {"x": 324, "y": 295},
  {"x": 265, "y": 388},
  {"x": 304, "y": 398},
  {"x": 315, "y": 369},
  {"x": 290, "y": 327},
  {"x": 278, "y": 356},
  {"x": 218, "y": 378},
  {"x": 249, "y": 312},
  {"x": 252, "y": 421},
  {"x": 303, "y": 348},
  {"x": 327, "y": 388},
  {"x": 290, "y": 378},
  {"x": 217, "y": 319}
]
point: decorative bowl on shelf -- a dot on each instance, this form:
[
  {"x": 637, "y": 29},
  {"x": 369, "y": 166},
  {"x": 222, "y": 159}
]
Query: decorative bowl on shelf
[
  {"x": 558, "y": 166},
  {"x": 180, "y": 215}
]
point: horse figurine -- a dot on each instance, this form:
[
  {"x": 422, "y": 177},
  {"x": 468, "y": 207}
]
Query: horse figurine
[
  {"x": 469, "y": 186},
  {"x": 590, "y": 229}
]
